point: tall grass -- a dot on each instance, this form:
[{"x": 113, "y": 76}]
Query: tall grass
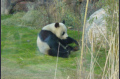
[
  {"x": 82, "y": 49},
  {"x": 110, "y": 70},
  {"x": 112, "y": 61}
]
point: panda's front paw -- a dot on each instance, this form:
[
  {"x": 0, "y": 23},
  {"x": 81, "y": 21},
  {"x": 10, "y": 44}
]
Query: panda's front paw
[{"x": 76, "y": 48}]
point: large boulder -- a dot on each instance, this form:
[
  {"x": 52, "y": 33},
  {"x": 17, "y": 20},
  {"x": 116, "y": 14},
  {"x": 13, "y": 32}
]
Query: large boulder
[{"x": 95, "y": 29}]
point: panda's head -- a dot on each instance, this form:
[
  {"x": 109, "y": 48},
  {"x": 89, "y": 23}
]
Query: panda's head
[{"x": 59, "y": 29}]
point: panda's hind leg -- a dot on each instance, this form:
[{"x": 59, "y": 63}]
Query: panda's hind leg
[{"x": 54, "y": 52}]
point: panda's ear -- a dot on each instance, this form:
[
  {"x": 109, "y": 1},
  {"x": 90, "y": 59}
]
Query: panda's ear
[
  {"x": 56, "y": 25},
  {"x": 63, "y": 22}
]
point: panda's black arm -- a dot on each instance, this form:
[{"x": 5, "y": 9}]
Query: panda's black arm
[
  {"x": 71, "y": 40},
  {"x": 63, "y": 42},
  {"x": 68, "y": 41}
]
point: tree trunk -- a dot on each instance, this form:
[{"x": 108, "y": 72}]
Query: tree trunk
[{"x": 5, "y": 4}]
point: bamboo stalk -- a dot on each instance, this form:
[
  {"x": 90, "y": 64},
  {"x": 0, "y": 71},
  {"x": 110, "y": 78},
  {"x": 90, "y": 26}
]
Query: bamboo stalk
[{"x": 83, "y": 38}]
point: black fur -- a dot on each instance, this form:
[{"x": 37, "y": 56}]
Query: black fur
[
  {"x": 53, "y": 42},
  {"x": 56, "y": 25},
  {"x": 68, "y": 41},
  {"x": 63, "y": 22}
]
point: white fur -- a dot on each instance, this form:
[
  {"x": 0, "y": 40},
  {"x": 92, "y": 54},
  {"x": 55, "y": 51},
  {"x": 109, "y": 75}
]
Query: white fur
[
  {"x": 42, "y": 46},
  {"x": 57, "y": 31}
]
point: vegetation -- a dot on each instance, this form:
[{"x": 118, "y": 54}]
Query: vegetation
[
  {"x": 20, "y": 58},
  {"x": 107, "y": 59},
  {"x": 19, "y": 52}
]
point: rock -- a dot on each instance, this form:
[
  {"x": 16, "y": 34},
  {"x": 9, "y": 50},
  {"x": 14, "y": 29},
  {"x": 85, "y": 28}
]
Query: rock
[
  {"x": 96, "y": 26},
  {"x": 70, "y": 28},
  {"x": 28, "y": 40}
]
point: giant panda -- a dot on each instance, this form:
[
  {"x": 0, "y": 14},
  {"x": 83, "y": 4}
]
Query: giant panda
[{"x": 53, "y": 39}]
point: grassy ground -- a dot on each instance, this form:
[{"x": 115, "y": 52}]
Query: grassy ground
[{"x": 20, "y": 58}]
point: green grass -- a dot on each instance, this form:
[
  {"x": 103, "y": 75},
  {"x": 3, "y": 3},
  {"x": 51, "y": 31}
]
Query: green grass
[
  {"x": 5, "y": 16},
  {"x": 21, "y": 59},
  {"x": 100, "y": 58},
  {"x": 19, "y": 41},
  {"x": 19, "y": 51}
]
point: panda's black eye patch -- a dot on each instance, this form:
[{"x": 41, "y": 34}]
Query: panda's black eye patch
[{"x": 63, "y": 33}]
